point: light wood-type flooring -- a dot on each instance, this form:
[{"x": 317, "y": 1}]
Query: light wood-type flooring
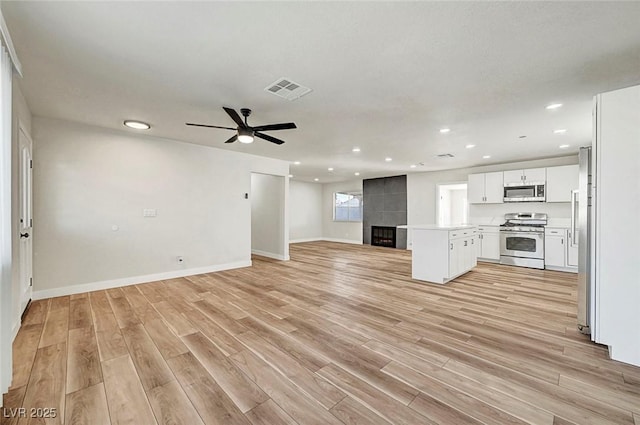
[{"x": 338, "y": 335}]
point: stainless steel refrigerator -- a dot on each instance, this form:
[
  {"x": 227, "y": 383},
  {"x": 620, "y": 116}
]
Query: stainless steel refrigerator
[{"x": 582, "y": 232}]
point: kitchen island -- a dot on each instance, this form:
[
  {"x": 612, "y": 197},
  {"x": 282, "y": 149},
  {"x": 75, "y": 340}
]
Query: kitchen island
[{"x": 442, "y": 253}]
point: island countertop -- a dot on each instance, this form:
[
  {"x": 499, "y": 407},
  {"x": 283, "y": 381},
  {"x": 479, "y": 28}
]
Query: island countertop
[{"x": 437, "y": 227}]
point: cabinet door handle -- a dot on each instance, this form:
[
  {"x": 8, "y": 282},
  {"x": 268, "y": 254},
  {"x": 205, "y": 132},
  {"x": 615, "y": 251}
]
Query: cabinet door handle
[
  {"x": 451, "y": 246},
  {"x": 465, "y": 243},
  {"x": 562, "y": 241}
]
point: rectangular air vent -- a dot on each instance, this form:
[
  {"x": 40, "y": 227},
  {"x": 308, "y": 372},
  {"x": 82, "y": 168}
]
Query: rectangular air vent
[
  {"x": 287, "y": 89},
  {"x": 445, "y": 155}
]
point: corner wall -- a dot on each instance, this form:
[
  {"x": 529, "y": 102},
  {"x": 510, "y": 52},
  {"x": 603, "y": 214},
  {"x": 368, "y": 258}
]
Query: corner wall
[
  {"x": 267, "y": 220},
  {"x": 91, "y": 186},
  {"x": 338, "y": 231},
  {"x": 306, "y": 211}
]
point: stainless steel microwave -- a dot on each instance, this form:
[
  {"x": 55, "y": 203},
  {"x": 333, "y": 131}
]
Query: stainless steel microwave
[{"x": 527, "y": 193}]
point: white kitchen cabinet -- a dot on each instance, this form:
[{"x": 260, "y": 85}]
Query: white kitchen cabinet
[
  {"x": 561, "y": 181},
  {"x": 555, "y": 251},
  {"x": 525, "y": 177},
  {"x": 559, "y": 254},
  {"x": 442, "y": 253},
  {"x": 485, "y": 188},
  {"x": 488, "y": 243}
]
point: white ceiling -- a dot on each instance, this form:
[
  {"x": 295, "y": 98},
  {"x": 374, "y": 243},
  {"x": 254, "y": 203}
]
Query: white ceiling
[{"x": 385, "y": 76}]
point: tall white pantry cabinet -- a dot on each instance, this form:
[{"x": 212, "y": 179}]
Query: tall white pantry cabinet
[{"x": 617, "y": 223}]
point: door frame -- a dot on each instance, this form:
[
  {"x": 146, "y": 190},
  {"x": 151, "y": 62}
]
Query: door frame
[{"x": 442, "y": 184}]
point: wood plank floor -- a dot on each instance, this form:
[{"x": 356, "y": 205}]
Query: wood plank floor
[{"x": 338, "y": 335}]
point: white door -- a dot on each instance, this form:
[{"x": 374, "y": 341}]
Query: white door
[
  {"x": 475, "y": 188},
  {"x": 494, "y": 187},
  {"x": 535, "y": 175},
  {"x": 554, "y": 251},
  {"x": 513, "y": 178},
  {"x": 25, "y": 225}
]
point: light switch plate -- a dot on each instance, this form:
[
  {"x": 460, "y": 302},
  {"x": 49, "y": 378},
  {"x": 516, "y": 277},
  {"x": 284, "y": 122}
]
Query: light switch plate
[{"x": 149, "y": 212}]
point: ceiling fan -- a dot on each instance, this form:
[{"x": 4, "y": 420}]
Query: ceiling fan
[{"x": 245, "y": 133}]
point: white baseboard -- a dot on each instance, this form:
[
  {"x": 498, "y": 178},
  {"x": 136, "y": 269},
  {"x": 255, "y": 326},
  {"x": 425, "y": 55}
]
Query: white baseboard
[
  {"x": 562, "y": 269},
  {"x": 108, "y": 284},
  {"x": 351, "y": 241},
  {"x": 305, "y": 240},
  {"x": 270, "y": 255}
]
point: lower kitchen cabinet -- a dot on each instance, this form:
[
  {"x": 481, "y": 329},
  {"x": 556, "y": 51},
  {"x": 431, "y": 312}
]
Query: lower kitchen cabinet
[
  {"x": 559, "y": 253},
  {"x": 488, "y": 243},
  {"x": 440, "y": 254}
]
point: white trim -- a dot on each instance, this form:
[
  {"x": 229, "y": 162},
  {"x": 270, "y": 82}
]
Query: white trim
[
  {"x": 15, "y": 330},
  {"x": 270, "y": 255},
  {"x": 305, "y": 240},
  {"x": 351, "y": 241},
  {"x": 4, "y": 31},
  {"x": 562, "y": 269},
  {"x": 115, "y": 283}
]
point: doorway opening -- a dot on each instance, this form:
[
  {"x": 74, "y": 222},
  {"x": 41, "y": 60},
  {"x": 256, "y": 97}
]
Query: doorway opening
[
  {"x": 269, "y": 232},
  {"x": 452, "y": 205}
]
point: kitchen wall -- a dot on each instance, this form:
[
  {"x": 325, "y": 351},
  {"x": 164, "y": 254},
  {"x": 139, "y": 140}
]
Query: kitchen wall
[
  {"x": 267, "y": 218},
  {"x": 92, "y": 184},
  {"x": 421, "y": 192},
  {"x": 336, "y": 230},
  {"x": 306, "y": 210}
]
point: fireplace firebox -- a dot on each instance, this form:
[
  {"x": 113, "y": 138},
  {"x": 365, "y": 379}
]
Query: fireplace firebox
[{"x": 383, "y": 236}]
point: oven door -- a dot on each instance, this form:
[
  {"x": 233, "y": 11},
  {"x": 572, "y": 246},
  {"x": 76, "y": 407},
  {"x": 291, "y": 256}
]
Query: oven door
[{"x": 522, "y": 244}]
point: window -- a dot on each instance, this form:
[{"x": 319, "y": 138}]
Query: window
[{"x": 347, "y": 206}]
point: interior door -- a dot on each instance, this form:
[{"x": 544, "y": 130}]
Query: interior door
[{"x": 25, "y": 225}]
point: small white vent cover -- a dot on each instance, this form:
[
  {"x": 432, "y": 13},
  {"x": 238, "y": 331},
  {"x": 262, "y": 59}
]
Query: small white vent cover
[
  {"x": 445, "y": 155},
  {"x": 287, "y": 89}
]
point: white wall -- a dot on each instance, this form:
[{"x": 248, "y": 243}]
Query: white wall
[
  {"x": 305, "y": 206},
  {"x": 337, "y": 230},
  {"x": 267, "y": 215},
  {"x": 421, "y": 192},
  {"x": 88, "y": 180}
]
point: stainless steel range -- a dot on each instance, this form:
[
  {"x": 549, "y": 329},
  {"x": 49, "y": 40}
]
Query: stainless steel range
[{"x": 522, "y": 240}]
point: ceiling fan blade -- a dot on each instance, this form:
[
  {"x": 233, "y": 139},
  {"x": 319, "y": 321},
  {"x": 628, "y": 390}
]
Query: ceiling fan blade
[
  {"x": 271, "y": 127},
  {"x": 209, "y": 126},
  {"x": 235, "y": 117},
  {"x": 269, "y": 138},
  {"x": 232, "y": 139}
]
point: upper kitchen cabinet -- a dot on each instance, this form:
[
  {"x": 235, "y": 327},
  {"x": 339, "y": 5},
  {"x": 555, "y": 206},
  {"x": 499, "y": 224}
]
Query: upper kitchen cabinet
[
  {"x": 485, "y": 188},
  {"x": 561, "y": 181},
  {"x": 525, "y": 177}
]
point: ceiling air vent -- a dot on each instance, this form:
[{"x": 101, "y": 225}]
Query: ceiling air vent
[
  {"x": 287, "y": 89},
  {"x": 445, "y": 155}
]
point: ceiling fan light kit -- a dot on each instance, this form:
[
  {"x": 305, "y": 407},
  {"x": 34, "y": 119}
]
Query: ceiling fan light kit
[{"x": 244, "y": 132}]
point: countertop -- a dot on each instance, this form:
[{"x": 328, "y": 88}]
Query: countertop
[{"x": 437, "y": 227}]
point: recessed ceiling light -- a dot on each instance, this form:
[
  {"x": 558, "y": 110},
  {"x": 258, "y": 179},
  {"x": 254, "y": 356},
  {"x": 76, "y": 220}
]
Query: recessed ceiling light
[
  {"x": 296, "y": 162},
  {"x": 355, "y": 150},
  {"x": 330, "y": 169},
  {"x": 412, "y": 166},
  {"x": 560, "y": 131},
  {"x": 356, "y": 174},
  {"x": 470, "y": 146},
  {"x": 563, "y": 146},
  {"x": 486, "y": 157},
  {"x": 388, "y": 159},
  {"x": 138, "y": 125},
  {"x": 445, "y": 130},
  {"x": 290, "y": 176},
  {"x": 316, "y": 179},
  {"x": 554, "y": 106}
]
